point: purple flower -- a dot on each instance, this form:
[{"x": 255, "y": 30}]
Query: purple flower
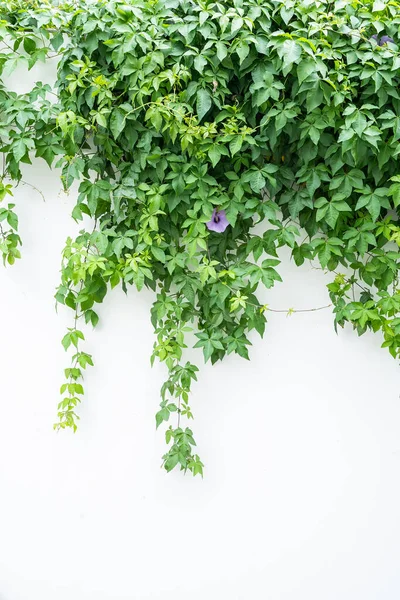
[
  {"x": 385, "y": 39},
  {"x": 218, "y": 222}
]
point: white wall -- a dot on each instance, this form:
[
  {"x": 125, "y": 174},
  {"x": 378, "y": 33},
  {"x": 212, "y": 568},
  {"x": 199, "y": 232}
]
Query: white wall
[{"x": 300, "y": 499}]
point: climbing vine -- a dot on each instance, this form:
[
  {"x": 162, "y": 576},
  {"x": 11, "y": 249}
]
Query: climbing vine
[{"x": 186, "y": 123}]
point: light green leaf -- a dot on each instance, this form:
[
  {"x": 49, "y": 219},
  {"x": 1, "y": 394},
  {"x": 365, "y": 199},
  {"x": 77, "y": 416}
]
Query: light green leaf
[
  {"x": 289, "y": 52},
  {"x": 199, "y": 63},
  {"x": 257, "y": 181},
  {"x": 237, "y": 23},
  {"x": 378, "y": 6}
]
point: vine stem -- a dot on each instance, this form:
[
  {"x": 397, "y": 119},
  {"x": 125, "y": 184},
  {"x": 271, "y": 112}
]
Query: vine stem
[
  {"x": 277, "y": 310},
  {"x": 179, "y": 411},
  {"x": 34, "y": 188},
  {"x": 299, "y": 310},
  {"x": 3, "y": 235},
  {"x": 283, "y": 310},
  {"x": 337, "y": 273}
]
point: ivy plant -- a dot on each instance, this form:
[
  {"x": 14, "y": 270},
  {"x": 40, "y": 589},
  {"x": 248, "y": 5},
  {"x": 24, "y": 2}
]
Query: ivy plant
[{"x": 186, "y": 123}]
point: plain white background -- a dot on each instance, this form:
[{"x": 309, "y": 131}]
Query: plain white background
[{"x": 301, "y": 494}]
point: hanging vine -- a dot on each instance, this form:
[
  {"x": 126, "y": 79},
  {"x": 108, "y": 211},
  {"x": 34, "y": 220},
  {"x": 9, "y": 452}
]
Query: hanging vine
[{"x": 187, "y": 123}]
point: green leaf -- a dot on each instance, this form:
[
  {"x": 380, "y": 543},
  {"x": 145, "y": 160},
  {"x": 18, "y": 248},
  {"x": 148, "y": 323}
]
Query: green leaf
[
  {"x": 222, "y": 51},
  {"x": 242, "y": 51},
  {"x": 394, "y": 191},
  {"x": 324, "y": 255},
  {"x": 117, "y": 122},
  {"x": 161, "y": 416},
  {"x": 101, "y": 119},
  {"x": 304, "y": 69},
  {"x": 236, "y": 144},
  {"x": 29, "y": 45},
  {"x": 332, "y": 215},
  {"x": 215, "y": 154},
  {"x": 257, "y": 181},
  {"x": 118, "y": 245},
  {"x": 57, "y": 41},
  {"x": 362, "y": 201},
  {"x": 66, "y": 341},
  {"x": 156, "y": 119},
  {"x": 203, "y": 103},
  {"x": 374, "y": 207},
  {"x": 171, "y": 461},
  {"x": 19, "y": 149},
  {"x": 295, "y": 205},
  {"x": 158, "y": 253},
  {"x": 12, "y": 219}
]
